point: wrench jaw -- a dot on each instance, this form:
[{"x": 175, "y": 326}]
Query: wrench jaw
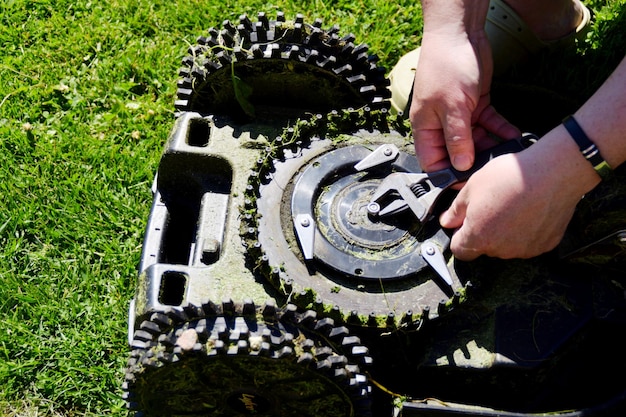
[
  {"x": 417, "y": 192},
  {"x": 401, "y": 191},
  {"x": 394, "y": 195},
  {"x": 398, "y": 191}
]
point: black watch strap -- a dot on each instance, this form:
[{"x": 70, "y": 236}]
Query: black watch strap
[{"x": 589, "y": 149}]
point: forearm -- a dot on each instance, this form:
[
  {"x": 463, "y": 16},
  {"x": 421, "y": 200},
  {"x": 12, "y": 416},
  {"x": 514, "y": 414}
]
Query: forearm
[
  {"x": 454, "y": 17},
  {"x": 603, "y": 117}
]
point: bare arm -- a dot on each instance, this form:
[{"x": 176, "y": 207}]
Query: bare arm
[
  {"x": 454, "y": 17},
  {"x": 603, "y": 117}
]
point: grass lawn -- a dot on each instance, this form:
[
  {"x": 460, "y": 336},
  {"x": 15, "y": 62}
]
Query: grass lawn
[{"x": 86, "y": 104}]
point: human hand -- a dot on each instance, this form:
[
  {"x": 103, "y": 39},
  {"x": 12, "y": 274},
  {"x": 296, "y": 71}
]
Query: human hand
[
  {"x": 519, "y": 205},
  {"x": 451, "y": 112},
  {"x": 516, "y": 206}
]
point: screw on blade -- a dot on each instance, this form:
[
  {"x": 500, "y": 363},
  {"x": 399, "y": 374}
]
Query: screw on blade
[
  {"x": 381, "y": 155},
  {"x": 305, "y": 230},
  {"x": 434, "y": 256}
]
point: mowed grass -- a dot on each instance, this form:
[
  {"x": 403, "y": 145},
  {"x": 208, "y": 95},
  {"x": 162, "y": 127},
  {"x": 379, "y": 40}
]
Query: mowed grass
[{"x": 86, "y": 104}]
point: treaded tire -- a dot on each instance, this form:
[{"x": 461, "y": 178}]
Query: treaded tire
[
  {"x": 237, "y": 360},
  {"x": 279, "y": 69},
  {"x": 318, "y": 179}
]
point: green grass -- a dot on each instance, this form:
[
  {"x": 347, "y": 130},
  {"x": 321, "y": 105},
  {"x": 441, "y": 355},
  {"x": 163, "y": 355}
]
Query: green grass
[{"x": 86, "y": 104}]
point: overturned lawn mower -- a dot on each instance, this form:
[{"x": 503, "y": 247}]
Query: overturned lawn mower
[{"x": 270, "y": 285}]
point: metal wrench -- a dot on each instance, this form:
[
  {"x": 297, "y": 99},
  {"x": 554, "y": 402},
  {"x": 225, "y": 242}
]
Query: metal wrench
[{"x": 419, "y": 192}]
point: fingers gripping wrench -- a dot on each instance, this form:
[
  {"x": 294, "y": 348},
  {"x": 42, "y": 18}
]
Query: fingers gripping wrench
[{"x": 419, "y": 192}]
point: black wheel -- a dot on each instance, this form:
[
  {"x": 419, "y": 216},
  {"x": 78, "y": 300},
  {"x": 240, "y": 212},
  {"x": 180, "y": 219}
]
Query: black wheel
[
  {"x": 237, "y": 360},
  {"x": 308, "y": 232},
  {"x": 279, "y": 69}
]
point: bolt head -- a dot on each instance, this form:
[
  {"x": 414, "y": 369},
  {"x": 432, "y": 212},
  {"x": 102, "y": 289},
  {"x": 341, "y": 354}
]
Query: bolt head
[{"x": 373, "y": 208}]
